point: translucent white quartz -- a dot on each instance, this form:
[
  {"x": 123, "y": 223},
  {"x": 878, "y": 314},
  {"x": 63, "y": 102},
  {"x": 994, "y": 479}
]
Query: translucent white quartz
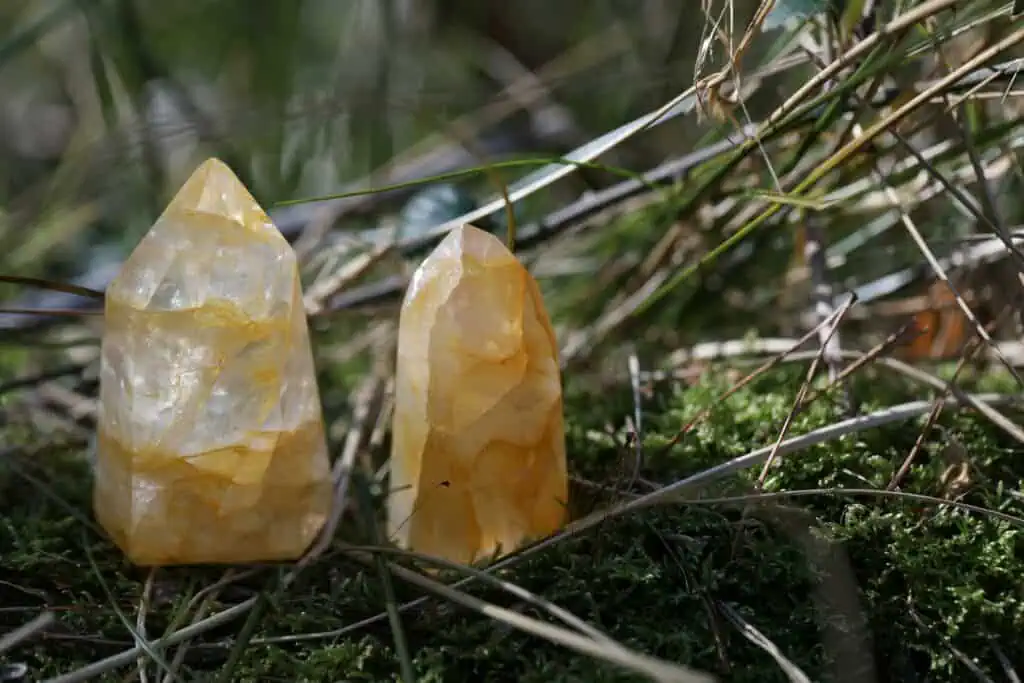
[{"x": 211, "y": 442}]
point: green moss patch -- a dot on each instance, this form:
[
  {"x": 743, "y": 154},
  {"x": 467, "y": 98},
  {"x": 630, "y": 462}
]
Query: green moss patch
[{"x": 932, "y": 580}]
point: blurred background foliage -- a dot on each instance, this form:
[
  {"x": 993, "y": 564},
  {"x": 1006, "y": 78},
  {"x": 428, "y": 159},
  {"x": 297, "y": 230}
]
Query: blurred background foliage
[{"x": 110, "y": 104}]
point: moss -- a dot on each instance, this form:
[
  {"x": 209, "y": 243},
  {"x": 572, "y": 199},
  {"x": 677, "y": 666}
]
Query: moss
[{"x": 928, "y": 577}]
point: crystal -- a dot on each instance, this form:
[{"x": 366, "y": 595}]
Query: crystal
[
  {"x": 478, "y": 443},
  {"x": 210, "y": 442}
]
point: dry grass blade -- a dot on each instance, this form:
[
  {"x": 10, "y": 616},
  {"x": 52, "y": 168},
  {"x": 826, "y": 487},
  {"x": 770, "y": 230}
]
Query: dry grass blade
[
  {"x": 675, "y": 493},
  {"x": 845, "y": 153},
  {"x": 897, "y": 25},
  {"x": 933, "y": 262},
  {"x": 830, "y": 328},
  {"x": 968, "y": 663},
  {"x": 821, "y": 295},
  {"x": 768, "y": 365},
  {"x": 368, "y": 396},
  {"x": 1004, "y": 661},
  {"x": 51, "y": 285},
  {"x": 11, "y": 639},
  {"x": 10, "y": 460},
  {"x": 906, "y": 332},
  {"x": 202, "y": 602},
  {"x": 56, "y": 312},
  {"x": 145, "y": 648},
  {"x": 329, "y": 286},
  {"x": 568, "y": 618},
  {"x": 637, "y": 428},
  {"x": 140, "y": 627},
  {"x": 868, "y": 493},
  {"x": 918, "y": 375},
  {"x": 538, "y": 180},
  {"x": 791, "y": 670},
  {"x": 847, "y": 134},
  {"x": 933, "y": 416},
  {"x": 681, "y": 104},
  {"x": 125, "y": 658},
  {"x": 614, "y": 653}
]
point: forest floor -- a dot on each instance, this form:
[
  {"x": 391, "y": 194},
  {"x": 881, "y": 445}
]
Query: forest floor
[{"x": 833, "y": 574}]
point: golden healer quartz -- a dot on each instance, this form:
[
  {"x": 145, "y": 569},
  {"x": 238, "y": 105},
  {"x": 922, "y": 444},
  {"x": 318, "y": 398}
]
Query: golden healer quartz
[
  {"x": 478, "y": 446},
  {"x": 211, "y": 445}
]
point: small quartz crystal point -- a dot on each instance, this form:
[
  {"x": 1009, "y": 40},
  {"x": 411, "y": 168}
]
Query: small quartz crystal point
[
  {"x": 478, "y": 443},
  {"x": 211, "y": 444}
]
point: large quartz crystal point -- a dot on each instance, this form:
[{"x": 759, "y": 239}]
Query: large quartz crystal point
[
  {"x": 211, "y": 444},
  {"x": 478, "y": 453}
]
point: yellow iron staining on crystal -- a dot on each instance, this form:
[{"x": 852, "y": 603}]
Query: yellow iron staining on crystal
[
  {"x": 478, "y": 460},
  {"x": 211, "y": 444}
]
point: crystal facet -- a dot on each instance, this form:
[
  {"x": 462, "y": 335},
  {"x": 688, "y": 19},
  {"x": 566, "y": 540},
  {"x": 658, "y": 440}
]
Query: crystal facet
[
  {"x": 478, "y": 454},
  {"x": 211, "y": 444}
]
